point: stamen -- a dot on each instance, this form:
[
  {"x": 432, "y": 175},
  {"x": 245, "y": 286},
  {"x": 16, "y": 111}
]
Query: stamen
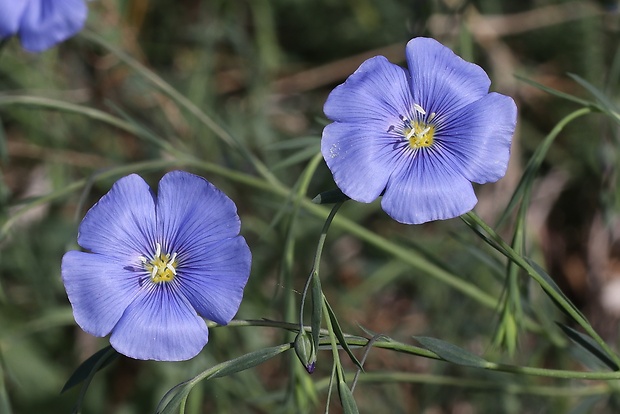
[
  {"x": 170, "y": 264},
  {"x": 162, "y": 267},
  {"x": 419, "y": 109},
  {"x": 419, "y": 131}
]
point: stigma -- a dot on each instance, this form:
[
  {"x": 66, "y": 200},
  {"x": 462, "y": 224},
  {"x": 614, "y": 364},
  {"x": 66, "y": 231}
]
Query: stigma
[{"x": 162, "y": 267}]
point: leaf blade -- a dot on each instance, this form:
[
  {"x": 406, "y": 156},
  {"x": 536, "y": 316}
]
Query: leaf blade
[{"x": 452, "y": 353}]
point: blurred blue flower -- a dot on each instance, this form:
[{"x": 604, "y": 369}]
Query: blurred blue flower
[
  {"x": 419, "y": 137},
  {"x": 40, "y": 24},
  {"x": 156, "y": 265}
]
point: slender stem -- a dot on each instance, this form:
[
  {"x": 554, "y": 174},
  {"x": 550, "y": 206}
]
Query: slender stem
[
  {"x": 289, "y": 243},
  {"x": 536, "y": 160},
  {"x": 317, "y": 259},
  {"x": 566, "y": 306},
  {"x": 55, "y": 104},
  {"x": 482, "y": 385},
  {"x": 389, "y": 344},
  {"x": 333, "y": 343},
  {"x": 91, "y": 113}
]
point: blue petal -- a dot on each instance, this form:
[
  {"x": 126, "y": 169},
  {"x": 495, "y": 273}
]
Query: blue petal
[
  {"x": 360, "y": 157},
  {"x": 377, "y": 90},
  {"x": 122, "y": 223},
  {"x": 47, "y": 22},
  {"x": 160, "y": 325},
  {"x": 10, "y": 15},
  {"x": 477, "y": 138},
  {"x": 212, "y": 278},
  {"x": 191, "y": 211},
  {"x": 441, "y": 81},
  {"x": 358, "y": 146},
  {"x": 100, "y": 288},
  {"x": 425, "y": 188}
]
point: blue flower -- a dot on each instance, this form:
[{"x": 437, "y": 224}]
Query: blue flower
[
  {"x": 156, "y": 265},
  {"x": 40, "y": 24},
  {"x": 419, "y": 137}
]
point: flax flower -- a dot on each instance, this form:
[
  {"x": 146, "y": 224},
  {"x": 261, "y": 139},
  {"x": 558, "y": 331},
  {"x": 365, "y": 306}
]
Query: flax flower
[
  {"x": 40, "y": 24},
  {"x": 419, "y": 137},
  {"x": 156, "y": 265}
]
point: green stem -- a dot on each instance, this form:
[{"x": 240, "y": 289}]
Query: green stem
[
  {"x": 55, "y": 104},
  {"x": 91, "y": 113},
  {"x": 389, "y": 344},
  {"x": 289, "y": 243},
  {"x": 482, "y": 385},
  {"x": 317, "y": 260},
  {"x": 333, "y": 343},
  {"x": 536, "y": 160},
  {"x": 566, "y": 306}
]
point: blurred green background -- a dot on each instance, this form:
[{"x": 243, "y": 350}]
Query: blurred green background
[{"x": 262, "y": 70}]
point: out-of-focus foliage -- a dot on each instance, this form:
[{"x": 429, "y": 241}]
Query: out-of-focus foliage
[{"x": 261, "y": 70}]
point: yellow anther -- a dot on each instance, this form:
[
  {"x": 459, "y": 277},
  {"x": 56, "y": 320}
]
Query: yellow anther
[
  {"x": 162, "y": 267},
  {"x": 420, "y": 135}
]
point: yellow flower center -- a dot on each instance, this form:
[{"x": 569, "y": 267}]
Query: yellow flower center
[
  {"x": 419, "y": 130},
  {"x": 420, "y": 135},
  {"x": 162, "y": 266}
]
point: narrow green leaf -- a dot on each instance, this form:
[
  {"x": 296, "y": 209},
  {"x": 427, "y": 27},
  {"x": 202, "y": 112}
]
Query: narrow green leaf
[
  {"x": 346, "y": 399},
  {"x": 330, "y": 197},
  {"x": 370, "y": 333},
  {"x": 247, "y": 361},
  {"x": 141, "y": 130},
  {"x": 340, "y": 335},
  {"x": 451, "y": 353},
  {"x": 555, "y": 92},
  {"x": 480, "y": 233},
  {"x": 176, "y": 404},
  {"x": 555, "y": 287},
  {"x": 178, "y": 395},
  {"x": 600, "y": 96},
  {"x": 96, "y": 362},
  {"x": 589, "y": 345},
  {"x": 534, "y": 163}
]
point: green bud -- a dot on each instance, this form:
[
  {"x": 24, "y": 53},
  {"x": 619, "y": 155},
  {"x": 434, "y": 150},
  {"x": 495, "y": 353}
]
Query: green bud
[{"x": 304, "y": 348}]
